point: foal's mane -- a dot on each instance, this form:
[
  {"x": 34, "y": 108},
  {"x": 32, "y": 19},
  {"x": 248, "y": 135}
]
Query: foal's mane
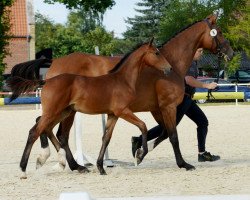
[
  {"x": 177, "y": 33},
  {"x": 119, "y": 64}
]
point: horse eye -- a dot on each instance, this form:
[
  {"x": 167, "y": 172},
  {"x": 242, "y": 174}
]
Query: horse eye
[{"x": 157, "y": 53}]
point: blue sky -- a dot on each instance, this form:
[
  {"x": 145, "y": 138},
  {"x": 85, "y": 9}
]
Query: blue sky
[{"x": 113, "y": 19}]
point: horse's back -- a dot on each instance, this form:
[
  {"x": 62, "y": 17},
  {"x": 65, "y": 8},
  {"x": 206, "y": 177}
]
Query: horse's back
[{"x": 82, "y": 64}]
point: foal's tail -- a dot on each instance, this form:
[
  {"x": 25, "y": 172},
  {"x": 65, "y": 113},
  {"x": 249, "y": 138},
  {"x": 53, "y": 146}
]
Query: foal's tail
[
  {"x": 30, "y": 69},
  {"x": 20, "y": 85}
]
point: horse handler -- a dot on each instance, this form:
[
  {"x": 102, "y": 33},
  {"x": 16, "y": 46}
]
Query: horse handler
[{"x": 190, "y": 109}]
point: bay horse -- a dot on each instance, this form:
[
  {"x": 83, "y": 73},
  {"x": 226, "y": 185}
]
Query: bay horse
[
  {"x": 162, "y": 93},
  {"x": 112, "y": 93}
]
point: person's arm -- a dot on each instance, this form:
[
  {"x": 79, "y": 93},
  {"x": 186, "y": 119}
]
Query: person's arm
[{"x": 193, "y": 82}]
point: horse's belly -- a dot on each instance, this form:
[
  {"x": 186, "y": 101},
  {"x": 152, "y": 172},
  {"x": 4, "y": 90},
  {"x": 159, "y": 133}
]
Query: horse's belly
[{"x": 90, "y": 106}]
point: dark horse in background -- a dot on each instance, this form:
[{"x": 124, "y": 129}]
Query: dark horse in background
[
  {"x": 112, "y": 93},
  {"x": 162, "y": 94}
]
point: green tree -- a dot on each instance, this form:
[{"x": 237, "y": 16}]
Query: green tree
[
  {"x": 94, "y": 5},
  {"x": 84, "y": 21},
  {"x": 69, "y": 38},
  {"x": 180, "y": 14},
  {"x": 146, "y": 24},
  {"x": 239, "y": 33},
  {"x": 4, "y": 33},
  {"x": 45, "y": 31},
  {"x": 101, "y": 38}
]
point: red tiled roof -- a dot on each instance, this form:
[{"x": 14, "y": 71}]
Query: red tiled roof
[{"x": 18, "y": 18}]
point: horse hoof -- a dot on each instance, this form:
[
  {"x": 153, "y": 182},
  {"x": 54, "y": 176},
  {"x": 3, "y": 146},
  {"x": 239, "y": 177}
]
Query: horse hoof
[
  {"x": 103, "y": 172},
  {"x": 88, "y": 165},
  {"x": 189, "y": 167},
  {"x": 38, "y": 163},
  {"x": 23, "y": 176},
  {"x": 138, "y": 156},
  {"x": 59, "y": 167},
  {"x": 82, "y": 170},
  {"x": 41, "y": 159}
]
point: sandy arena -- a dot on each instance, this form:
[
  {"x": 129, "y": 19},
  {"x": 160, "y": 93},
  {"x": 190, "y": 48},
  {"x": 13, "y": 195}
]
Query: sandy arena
[{"x": 158, "y": 175}]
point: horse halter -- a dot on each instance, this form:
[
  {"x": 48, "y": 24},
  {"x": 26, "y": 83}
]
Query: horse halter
[
  {"x": 219, "y": 46},
  {"x": 214, "y": 34}
]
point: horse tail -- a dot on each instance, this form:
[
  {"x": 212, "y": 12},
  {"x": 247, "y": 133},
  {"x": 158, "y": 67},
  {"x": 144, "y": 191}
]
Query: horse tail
[
  {"x": 20, "y": 85},
  {"x": 30, "y": 69}
]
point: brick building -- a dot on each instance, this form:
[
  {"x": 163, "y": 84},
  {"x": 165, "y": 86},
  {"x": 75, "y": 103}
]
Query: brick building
[{"x": 22, "y": 44}]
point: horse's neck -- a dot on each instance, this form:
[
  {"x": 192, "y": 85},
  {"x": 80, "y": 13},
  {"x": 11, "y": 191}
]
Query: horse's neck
[
  {"x": 180, "y": 50},
  {"x": 130, "y": 71}
]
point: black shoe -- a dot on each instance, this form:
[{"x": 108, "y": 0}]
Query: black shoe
[
  {"x": 206, "y": 156},
  {"x": 135, "y": 144}
]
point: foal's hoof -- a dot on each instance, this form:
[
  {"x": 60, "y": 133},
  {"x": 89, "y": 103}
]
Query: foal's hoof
[
  {"x": 82, "y": 170},
  {"x": 138, "y": 156}
]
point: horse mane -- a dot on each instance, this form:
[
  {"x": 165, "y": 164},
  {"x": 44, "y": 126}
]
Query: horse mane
[
  {"x": 30, "y": 69},
  {"x": 119, "y": 64},
  {"x": 177, "y": 33}
]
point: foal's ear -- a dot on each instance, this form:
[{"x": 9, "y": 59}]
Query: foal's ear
[{"x": 151, "y": 41}]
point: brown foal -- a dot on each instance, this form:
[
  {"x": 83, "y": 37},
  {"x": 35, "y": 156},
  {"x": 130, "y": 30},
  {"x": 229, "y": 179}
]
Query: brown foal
[{"x": 112, "y": 94}]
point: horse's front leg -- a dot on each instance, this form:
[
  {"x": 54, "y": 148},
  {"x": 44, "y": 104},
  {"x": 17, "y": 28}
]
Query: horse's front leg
[
  {"x": 169, "y": 117},
  {"x": 129, "y": 116},
  {"x": 151, "y": 145},
  {"x": 111, "y": 121}
]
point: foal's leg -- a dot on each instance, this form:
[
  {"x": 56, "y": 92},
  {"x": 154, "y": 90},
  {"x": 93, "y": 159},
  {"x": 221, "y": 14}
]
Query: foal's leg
[
  {"x": 111, "y": 121},
  {"x": 129, "y": 116},
  {"x": 63, "y": 137},
  {"x": 151, "y": 145},
  {"x": 169, "y": 117}
]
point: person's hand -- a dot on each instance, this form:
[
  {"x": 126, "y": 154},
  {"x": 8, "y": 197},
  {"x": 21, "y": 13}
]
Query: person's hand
[{"x": 211, "y": 86}]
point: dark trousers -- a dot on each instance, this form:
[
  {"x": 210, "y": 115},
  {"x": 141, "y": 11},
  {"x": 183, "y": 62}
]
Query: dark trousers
[{"x": 192, "y": 110}]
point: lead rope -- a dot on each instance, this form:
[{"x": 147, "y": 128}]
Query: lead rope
[{"x": 209, "y": 92}]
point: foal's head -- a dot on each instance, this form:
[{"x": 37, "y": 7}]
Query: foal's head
[
  {"x": 214, "y": 40},
  {"x": 152, "y": 57}
]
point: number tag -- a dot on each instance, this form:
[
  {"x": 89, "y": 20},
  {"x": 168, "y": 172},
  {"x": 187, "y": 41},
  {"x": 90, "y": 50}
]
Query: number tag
[{"x": 213, "y": 32}]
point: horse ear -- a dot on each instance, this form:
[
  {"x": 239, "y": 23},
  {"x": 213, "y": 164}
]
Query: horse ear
[
  {"x": 151, "y": 41},
  {"x": 213, "y": 18}
]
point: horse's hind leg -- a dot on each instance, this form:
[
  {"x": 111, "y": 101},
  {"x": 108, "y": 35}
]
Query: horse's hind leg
[
  {"x": 26, "y": 153},
  {"x": 111, "y": 121},
  {"x": 34, "y": 133},
  {"x": 45, "y": 153},
  {"x": 59, "y": 149},
  {"x": 63, "y": 137}
]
